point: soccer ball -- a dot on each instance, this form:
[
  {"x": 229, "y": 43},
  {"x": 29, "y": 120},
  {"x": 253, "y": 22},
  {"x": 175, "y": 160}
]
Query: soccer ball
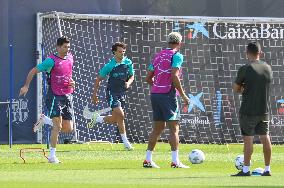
[
  {"x": 239, "y": 162},
  {"x": 196, "y": 156}
]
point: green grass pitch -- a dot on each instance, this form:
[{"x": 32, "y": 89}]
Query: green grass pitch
[{"x": 109, "y": 165}]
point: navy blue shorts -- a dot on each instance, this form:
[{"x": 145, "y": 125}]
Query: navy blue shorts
[
  {"x": 60, "y": 106},
  {"x": 165, "y": 107},
  {"x": 116, "y": 99}
]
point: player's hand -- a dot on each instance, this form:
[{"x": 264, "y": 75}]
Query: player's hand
[
  {"x": 23, "y": 91},
  {"x": 185, "y": 100},
  {"x": 71, "y": 83},
  {"x": 127, "y": 85},
  {"x": 95, "y": 99},
  {"x": 186, "y": 103},
  {"x": 243, "y": 88}
]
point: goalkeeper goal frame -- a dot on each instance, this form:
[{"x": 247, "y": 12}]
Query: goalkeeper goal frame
[{"x": 58, "y": 16}]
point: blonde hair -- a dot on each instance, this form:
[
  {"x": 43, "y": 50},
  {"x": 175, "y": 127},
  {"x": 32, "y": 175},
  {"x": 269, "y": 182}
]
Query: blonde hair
[{"x": 174, "y": 38}]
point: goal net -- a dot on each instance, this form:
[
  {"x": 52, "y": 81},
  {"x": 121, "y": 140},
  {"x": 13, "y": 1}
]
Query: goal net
[{"x": 213, "y": 49}]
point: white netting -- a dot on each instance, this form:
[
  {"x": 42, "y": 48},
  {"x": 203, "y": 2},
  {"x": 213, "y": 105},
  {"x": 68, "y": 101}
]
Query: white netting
[{"x": 209, "y": 69}]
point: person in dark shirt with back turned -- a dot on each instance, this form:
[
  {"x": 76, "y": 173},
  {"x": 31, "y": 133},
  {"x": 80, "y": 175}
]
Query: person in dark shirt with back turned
[{"x": 253, "y": 80}]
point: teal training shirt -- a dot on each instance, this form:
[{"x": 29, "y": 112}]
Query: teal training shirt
[
  {"x": 118, "y": 74},
  {"x": 46, "y": 65},
  {"x": 112, "y": 64}
]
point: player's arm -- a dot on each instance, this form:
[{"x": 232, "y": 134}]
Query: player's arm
[
  {"x": 46, "y": 65},
  {"x": 102, "y": 75},
  {"x": 270, "y": 73},
  {"x": 238, "y": 88},
  {"x": 177, "y": 84},
  {"x": 176, "y": 66},
  {"x": 149, "y": 78},
  {"x": 25, "y": 88},
  {"x": 131, "y": 78},
  {"x": 95, "y": 98},
  {"x": 150, "y": 75},
  {"x": 129, "y": 82},
  {"x": 239, "y": 82}
]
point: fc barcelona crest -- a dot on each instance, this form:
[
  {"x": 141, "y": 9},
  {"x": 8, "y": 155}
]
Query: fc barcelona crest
[{"x": 20, "y": 111}]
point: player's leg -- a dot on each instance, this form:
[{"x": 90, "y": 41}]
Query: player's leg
[
  {"x": 118, "y": 114},
  {"x": 50, "y": 102},
  {"x": 247, "y": 125},
  {"x": 110, "y": 119},
  {"x": 158, "y": 119},
  {"x": 57, "y": 122},
  {"x": 113, "y": 103},
  {"x": 67, "y": 126},
  {"x": 54, "y": 108},
  {"x": 267, "y": 150},
  {"x": 117, "y": 103},
  {"x": 118, "y": 106},
  {"x": 97, "y": 118},
  {"x": 42, "y": 121},
  {"x": 118, "y": 117},
  {"x": 67, "y": 114},
  {"x": 248, "y": 128},
  {"x": 263, "y": 131},
  {"x": 171, "y": 112},
  {"x": 158, "y": 128},
  {"x": 248, "y": 150},
  {"x": 174, "y": 142},
  {"x": 57, "y": 125},
  {"x": 174, "y": 139}
]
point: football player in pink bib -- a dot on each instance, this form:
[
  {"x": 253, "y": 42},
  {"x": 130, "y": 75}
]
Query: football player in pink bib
[
  {"x": 58, "y": 67},
  {"x": 164, "y": 79}
]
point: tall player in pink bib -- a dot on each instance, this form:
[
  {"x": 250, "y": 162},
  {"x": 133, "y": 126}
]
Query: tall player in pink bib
[
  {"x": 163, "y": 77},
  {"x": 59, "y": 97}
]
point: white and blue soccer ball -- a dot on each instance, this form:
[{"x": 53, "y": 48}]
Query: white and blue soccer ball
[
  {"x": 196, "y": 156},
  {"x": 239, "y": 162}
]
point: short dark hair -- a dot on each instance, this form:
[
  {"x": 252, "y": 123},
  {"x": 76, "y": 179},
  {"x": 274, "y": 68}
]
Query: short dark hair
[
  {"x": 62, "y": 40},
  {"x": 118, "y": 44},
  {"x": 253, "y": 48}
]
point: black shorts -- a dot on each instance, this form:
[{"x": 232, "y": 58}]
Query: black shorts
[
  {"x": 60, "y": 106},
  {"x": 254, "y": 125}
]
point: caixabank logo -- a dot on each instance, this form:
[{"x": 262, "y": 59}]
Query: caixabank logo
[
  {"x": 196, "y": 28},
  {"x": 192, "y": 30},
  {"x": 200, "y": 118},
  {"x": 230, "y": 30}
]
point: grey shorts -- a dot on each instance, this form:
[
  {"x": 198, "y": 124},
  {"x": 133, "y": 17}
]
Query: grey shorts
[{"x": 254, "y": 125}]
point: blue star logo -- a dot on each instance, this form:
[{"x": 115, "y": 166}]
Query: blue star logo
[
  {"x": 195, "y": 101},
  {"x": 198, "y": 27},
  {"x": 280, "y": 101}
]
